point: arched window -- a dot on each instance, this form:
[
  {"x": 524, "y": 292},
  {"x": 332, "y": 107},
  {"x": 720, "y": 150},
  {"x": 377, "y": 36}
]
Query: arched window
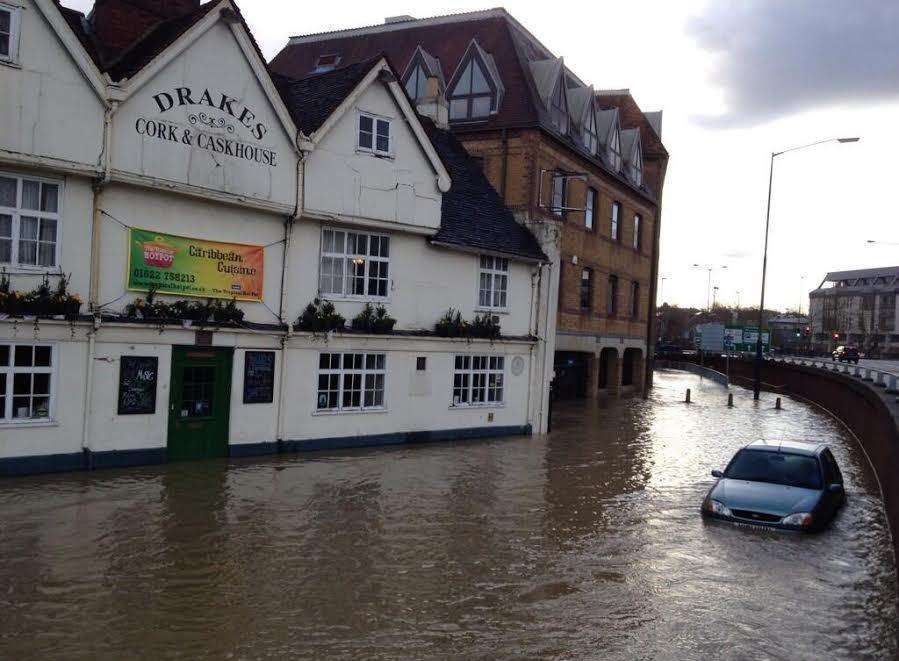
[
  {"x": 472, "y": 95},
  {"x": 415, "y": 83},
  {"x": 558, "y": 107}
]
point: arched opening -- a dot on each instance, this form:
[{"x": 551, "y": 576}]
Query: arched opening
[
  {"x": 631, "y": 367},
  {"x": 608, "y": 369}
]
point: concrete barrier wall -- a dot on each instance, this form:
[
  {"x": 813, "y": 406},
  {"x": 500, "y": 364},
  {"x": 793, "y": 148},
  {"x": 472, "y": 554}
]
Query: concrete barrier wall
[
  {"x": 871, "y": 413},
  {"x": 701, "y": 370}
]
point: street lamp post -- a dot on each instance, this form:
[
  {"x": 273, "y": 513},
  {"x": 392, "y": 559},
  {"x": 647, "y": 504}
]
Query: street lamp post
[
  {"x": 882, "y": 243},
  {"x": 708, "y": 294},
  {"x": 757, "y": 380}
]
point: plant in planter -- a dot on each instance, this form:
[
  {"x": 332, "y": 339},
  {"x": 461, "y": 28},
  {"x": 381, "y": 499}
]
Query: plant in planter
[
  {"x": 227, "y": 313},
  {"x": 62, "y": 302},
  {"x": 485, "y": 326},
  {"x": 39, "y": 301},
  {"x": 373, "y": 320},
  {"x": 320, "y": 316},
  {"x": 149, "y": 308},
  {"x": 451, "y": 324}
]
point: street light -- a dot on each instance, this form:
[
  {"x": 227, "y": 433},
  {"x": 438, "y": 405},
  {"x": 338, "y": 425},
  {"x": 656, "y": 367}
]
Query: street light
[
  {"x": 757, "y": 381},
  {"x": 882, "y": 243},
  {"x": 709, "y": 268}
]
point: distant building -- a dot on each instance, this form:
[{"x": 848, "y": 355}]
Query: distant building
[
  {"x": 857, "y": 308},
  {"x": 789, "y": 333}
]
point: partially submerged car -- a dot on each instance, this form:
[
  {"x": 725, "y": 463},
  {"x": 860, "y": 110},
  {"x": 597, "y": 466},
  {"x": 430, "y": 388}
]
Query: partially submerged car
[{"x": 791, "y": 485}]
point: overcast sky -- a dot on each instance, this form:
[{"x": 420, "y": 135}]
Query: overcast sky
[{"x": 736, "y": 80}]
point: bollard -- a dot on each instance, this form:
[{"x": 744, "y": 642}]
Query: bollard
[
  {"x": 730, "y": 399},
  {"x": 777, "y": 404},
  {"x": 687, "y": 400},
  {"x": 891, "y": 385}
]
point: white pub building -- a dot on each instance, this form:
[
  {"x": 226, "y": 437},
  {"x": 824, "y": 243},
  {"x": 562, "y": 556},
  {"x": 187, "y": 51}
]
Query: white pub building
[{"x": 181, "y": 233}]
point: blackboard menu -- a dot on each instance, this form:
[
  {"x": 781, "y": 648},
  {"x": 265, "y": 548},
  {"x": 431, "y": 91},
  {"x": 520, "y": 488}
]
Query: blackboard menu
[
  {"x": 137, "y": 384},
  {"x": 259, "y": 377}
]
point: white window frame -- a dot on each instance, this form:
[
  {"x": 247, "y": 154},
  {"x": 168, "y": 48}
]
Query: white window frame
[
  {"x": 479, "y": 375},
  {"x": 347, "y": 259},
  {"x": 637, "y": 168},
  {"x": 493, "y": 281},
  {"x": 343, "y": 373},
  {"x": 615, "y": 149},
  {"x": 8, "y": 371},
  {"x": 615, "y": 222},
  {"x": 469, "y": 98},
  {"x": 17, "y": 212},
  {"x": 414, "y": 76},
  {"x": 15, "y": 30},
  {"x": 377, "y": 121},
  {"x": 591, "y": 135},
  {"x": 590, "y": 208}
]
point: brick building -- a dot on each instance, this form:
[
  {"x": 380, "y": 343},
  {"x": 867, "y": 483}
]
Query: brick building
[{"x": 583, "y": 168}]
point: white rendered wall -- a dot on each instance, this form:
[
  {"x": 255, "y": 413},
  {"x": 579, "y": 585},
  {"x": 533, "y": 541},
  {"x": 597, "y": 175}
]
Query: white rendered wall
[
  {"x": 342, "y": 181},
  {"x": 47, "y": 108}
]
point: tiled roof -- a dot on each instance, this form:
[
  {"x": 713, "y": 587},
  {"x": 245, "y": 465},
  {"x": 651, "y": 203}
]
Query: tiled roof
[
  {"x": 473, "y": 214},
  {"x": 155, "y": 42},
  {"x": 526, "y": 69},
  {"x": 311, "y": 100}
]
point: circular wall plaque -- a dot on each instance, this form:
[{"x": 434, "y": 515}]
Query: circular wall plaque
[{"x": 517, "y": 365}]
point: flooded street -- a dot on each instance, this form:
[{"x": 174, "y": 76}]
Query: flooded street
[{"x": 584, "y": 544}]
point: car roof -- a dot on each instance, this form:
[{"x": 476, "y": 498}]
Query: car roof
[{"x": 809, "y": 448}]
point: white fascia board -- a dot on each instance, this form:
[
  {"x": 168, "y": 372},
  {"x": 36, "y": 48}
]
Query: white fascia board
[
  {"x": 83, "y": 61},
  {"x": 399, "y": 95}
]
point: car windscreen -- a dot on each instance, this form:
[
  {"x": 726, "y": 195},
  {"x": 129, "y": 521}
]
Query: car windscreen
[{"x": 795, "y": 470}]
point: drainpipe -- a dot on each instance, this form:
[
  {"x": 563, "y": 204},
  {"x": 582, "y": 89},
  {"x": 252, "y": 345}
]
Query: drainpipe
[
  {"x": 94, "y": 282},
  {"x": 302, "y": 149},
  {"x": 502, "y": 179}
]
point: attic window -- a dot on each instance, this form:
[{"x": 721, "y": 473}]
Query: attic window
[
  {"x": 558, "y": 108},
  {"x": 9, "y": 32},
  {"x": 615, "y": 149},
  {"x": 473, "y": 94},
  {"x": 590, "y": 137},
  {"x": 637, "y": 167},
  {"x": 416, "y": 83},
  {"x": 326, "y": 62},
  {"x": 374, "y": 134}
]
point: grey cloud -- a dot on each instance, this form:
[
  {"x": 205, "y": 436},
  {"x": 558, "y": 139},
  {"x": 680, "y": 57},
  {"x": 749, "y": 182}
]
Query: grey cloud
[{"x": 777, "y": 57}]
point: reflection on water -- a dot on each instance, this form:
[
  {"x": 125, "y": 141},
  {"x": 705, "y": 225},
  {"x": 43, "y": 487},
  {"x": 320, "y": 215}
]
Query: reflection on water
[{"x": 587, "y": 543}]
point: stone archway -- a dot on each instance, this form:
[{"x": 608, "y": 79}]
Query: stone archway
[
  {"x": 632, "y": 368},
  {"x": 608, "y": 372}
]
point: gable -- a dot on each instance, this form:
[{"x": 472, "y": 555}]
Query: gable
[
  {"x": 342, "y": 180},
  {"x": 204, "y": 119},
  {"x": 48, "y": 107}
]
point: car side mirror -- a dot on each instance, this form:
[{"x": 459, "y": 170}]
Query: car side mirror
[
  {"x": 717, "y": 473},
  {"x": 835, "y": 488}
]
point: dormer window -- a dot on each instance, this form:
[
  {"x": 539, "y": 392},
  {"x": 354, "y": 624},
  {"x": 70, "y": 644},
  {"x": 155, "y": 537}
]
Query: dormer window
[
  {"x": 326, "y": 62},
  {"x": 9, "y": 32},
  {"x": 416, "y": 83},
  {"x": 637, "y": 167},
  {"x": 472, "y": 95},
  {"x": 615, "y": 149},
  {"x": 590, "y": 136},
  {"x": 558, "y": 107}
]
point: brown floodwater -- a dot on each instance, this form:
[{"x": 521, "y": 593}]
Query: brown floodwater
[{"x": 584, "y": 544}]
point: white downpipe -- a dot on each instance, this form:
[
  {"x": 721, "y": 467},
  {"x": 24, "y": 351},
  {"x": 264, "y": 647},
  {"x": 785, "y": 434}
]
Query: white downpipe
[{"x": 89, "y": 384}]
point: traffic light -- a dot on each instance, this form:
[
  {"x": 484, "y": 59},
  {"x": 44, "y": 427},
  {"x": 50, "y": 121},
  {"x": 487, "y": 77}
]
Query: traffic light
[
  {"x": 836, "y": 336},
  {"x": 807, "y": 331}
]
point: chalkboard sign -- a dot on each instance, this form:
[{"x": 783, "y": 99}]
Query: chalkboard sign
[
  {"x": 259, "y": 377},
  {"x": 137, "y": 384}
]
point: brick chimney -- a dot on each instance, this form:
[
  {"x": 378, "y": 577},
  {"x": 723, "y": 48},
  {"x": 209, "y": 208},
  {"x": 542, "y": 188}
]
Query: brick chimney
[
  {"x": 117, "y": 24},
  {"x": 433, "y": 103}
]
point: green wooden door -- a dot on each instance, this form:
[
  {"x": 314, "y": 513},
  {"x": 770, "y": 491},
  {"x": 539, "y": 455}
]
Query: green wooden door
[{"x": 200, "y": 402}]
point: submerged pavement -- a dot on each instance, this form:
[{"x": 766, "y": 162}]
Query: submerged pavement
[{"x": 584, "y": 544}]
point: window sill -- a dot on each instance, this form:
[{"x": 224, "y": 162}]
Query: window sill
[
  {"x": 326, "y": 412},
  {"x": 27, "y": 424},
  {"x": 12, "y": 64},
  {"x": 340, "y": 298},
  {"x": 477, "y": 407},
  {"x": 492, "y": 310},
  {"x": 377, "y": 154}
]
